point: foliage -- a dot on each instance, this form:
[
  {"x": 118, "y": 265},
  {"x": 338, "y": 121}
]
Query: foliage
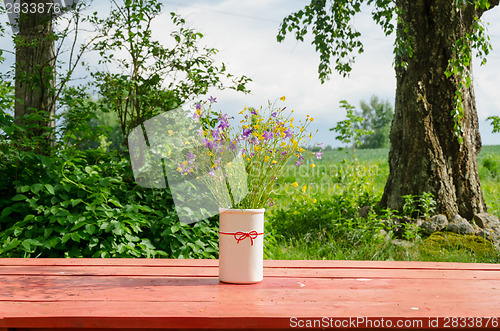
[
  {"x": 84, "y": 203},
  {"x": 459, "y": 66},
  {"x": 495, "y": 122},
  {"x": 351, "y": 131},
  {"x": 152, "y": 77},
  {"x": 377, "y": 118},
  {"x": 419, "y": 206},
  {"x": 334, "y": 35}
]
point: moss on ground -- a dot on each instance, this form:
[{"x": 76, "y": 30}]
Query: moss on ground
[{"x": 448, "y": 241}]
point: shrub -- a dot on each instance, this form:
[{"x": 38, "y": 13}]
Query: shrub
[{"x": 85, "y": 204}]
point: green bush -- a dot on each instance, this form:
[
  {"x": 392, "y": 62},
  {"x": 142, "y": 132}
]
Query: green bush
[{"x": 85, "y": 204}]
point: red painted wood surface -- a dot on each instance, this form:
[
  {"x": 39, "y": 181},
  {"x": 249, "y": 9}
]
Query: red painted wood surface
[{"x": 159, "y": 293}]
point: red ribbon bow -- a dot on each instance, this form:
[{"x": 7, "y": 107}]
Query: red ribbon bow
[{"x": 240, "y": 235}]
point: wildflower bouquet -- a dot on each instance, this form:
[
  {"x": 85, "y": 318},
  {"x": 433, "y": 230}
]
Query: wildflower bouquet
[{"x": 244, "y": 162}]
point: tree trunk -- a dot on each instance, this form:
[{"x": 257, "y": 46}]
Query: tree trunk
[
  {"x": 35, "y": 72},
  {"x": 425, "y": 154}
]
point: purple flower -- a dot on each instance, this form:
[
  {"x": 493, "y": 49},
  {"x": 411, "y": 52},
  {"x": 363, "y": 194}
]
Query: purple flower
[
  {"x": 223, "y": 122},
  {"x": 212, "y": 99},
  {"x": 208, "y": 144},
  {"x": 195, "y": 116},
  {"x": 301, "y": 157},
  {"x": 268, "y": 135},
  {"x": 274, "y": 114},
  {"x": 255, "y": 141},
  {"x": 215, "y": 134},
  {"x": 320, "y": 144},
  {"x": 211, "y": 172},
  {"x": 288, "y": 133},
  {"x": 247, "y": 132},
  {"x": 198, "y": 106},
  {"x": 254, "y": 112},
  {"x": 298, "y": 163},
  {"x": 284, "y": 153},
  {"x": 190, "y": 156},
  {"x": 318, "y": 154}
]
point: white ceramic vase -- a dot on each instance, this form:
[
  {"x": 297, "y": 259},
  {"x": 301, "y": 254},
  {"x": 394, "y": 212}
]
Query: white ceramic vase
[{"x": 241, "y": 245}]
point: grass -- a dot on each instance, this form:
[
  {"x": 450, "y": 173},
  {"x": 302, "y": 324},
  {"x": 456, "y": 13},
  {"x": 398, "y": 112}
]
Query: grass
[{"x": 315, "y": 215}]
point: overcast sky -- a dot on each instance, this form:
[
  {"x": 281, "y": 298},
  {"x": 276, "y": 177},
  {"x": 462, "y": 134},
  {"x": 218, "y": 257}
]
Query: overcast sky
[{"x": 245, "y": 34}]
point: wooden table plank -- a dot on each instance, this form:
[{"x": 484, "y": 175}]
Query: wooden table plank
[
  {"x": 301, "y": 264},
  {"x": 93, "y": 293}
]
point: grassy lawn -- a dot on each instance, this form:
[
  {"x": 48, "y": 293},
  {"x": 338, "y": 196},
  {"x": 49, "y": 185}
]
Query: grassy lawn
[{"x": 315, "y": 214}]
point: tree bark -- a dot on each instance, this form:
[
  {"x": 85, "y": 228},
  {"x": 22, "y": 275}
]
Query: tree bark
[
  {"x": 35, "y": 72},
  {"x": 425, "y": 154}
]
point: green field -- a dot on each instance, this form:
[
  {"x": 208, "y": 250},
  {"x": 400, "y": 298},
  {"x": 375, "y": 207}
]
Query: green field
[{"x": 315, "y": 213}]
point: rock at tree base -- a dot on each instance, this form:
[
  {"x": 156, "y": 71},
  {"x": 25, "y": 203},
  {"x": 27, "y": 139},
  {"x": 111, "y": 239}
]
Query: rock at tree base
[
  {"x": 459, "y": 225},
  {"x": 484, "y": 220},
  {"x": 434, "y": 224},
  {"x": 492, "y": 233}
]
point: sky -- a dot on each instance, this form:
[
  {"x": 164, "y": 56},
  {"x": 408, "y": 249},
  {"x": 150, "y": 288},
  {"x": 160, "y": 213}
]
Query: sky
[{"x": 245, "y": 32}]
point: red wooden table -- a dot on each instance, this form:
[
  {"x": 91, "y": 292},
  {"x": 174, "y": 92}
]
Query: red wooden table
[{"x": 148, "y": 293}]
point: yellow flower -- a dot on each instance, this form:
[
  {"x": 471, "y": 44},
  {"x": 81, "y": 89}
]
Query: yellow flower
[
  {"x": 282, "y": 98},
  {"x": 295, "y": 184},
  {"x": 301, "y": 150},
  {"x": 274, "y": 162},
  {"x": 304, "y": 188},
  {"x": 314, "y": 201},
  {"x": 256, "y": 148},
  {"x": 256, "y": 127},
  {"x": 283, "y": 143},
  {"x": 266, "y": 159},
  {"x": 170, "y": 132},
  {"x": 169, "y": 152},
  {"x": 312, "y": 119},
  {"x": 179, "y": 169},
  {"x": 313, "y": 165},
  {"x": 291, "y": 120}
]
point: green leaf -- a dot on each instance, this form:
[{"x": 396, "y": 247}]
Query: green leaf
[
  {"x": 65, "y": 237},
  {"x": 91, "y": 229},
  {"x": 25, "y": 188},
  {"x": 9, "y": 245},
  {"x": 76, "y": 202},
  {"x": 75, "y": 236},
  {"x": 19, "y": 197},
  {"x": 50, "y": 189}
]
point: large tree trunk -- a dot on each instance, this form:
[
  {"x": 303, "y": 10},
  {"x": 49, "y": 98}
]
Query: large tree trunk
[
  {"x": 425, "y": 154},
  {"x": 35, "y": 72}
]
